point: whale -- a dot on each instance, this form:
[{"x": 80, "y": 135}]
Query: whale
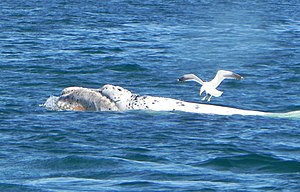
[{"x": 115, "y": 98}]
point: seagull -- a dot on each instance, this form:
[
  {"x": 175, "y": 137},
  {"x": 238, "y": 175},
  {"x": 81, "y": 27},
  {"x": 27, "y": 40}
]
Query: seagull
[{"x": 210, "y": 87}]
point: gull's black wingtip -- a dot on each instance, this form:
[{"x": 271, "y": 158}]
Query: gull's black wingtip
[{"x": 181, "y": 79}]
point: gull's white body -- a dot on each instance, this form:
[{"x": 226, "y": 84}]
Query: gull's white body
[{"x": 210, "y": 87}]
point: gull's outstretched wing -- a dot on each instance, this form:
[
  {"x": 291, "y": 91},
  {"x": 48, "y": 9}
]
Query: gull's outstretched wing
[
  {"x": 221, "y": 75},
  {"x": 191, "y": 77}
]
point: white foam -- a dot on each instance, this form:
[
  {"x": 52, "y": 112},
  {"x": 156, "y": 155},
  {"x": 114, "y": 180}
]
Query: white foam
[
  {"x": 51, "y": 103},
  {"x": 290, "y": 115}
]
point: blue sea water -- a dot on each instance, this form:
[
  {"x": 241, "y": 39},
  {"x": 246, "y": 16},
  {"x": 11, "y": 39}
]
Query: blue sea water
[{"x": 144, "y": 46}]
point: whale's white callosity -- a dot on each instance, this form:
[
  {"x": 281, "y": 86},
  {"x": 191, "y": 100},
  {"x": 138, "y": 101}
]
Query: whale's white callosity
[
  {"x": 115, "y": 98},
  {"x": 84, "y": 99}
]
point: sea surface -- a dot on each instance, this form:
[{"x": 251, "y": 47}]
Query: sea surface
[{"x": 144, "y": 46}]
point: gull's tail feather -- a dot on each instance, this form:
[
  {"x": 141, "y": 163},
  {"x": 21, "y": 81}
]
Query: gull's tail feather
[
  {"x": 210, "y": 90},
  {"x": 216, "y": 93}
]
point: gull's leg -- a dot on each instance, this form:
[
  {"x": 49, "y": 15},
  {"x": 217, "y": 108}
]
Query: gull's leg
[
  {"x": 209, "y": 98},
  {"x": 204, "y": 98}
]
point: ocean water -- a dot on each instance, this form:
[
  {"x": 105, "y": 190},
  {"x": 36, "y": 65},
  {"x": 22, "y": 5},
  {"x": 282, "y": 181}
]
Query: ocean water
[{"x": 144, "y": 46}]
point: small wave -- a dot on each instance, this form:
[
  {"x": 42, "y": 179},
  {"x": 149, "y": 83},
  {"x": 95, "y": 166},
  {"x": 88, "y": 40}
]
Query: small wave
[
  {"x": 136, "y": 157},
  {"x": 76, "y": 162},
  {"x": 18, "y": 187},
  {"x": 126, "y": 68},
  {"x": 137, "y": 184},
  {"x": 252, "y": 163}
]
